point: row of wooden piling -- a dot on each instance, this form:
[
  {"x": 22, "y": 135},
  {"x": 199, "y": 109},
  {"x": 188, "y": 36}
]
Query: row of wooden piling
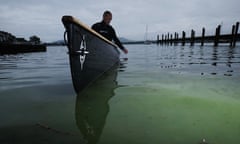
[{"x": 215, "y": 39}]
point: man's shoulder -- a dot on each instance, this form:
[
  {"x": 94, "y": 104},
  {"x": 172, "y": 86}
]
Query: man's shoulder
[
  {"x": 111, "y": 27},
  {"x": 98, "y": 24}
]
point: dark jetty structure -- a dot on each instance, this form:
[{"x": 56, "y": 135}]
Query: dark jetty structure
[
  {"x": 10, "y": 44},
  {"x": 216, "y": 39}
]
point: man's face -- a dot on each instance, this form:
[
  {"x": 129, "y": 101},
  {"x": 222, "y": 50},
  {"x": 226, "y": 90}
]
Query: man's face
[{"x": 107, "y": 18}]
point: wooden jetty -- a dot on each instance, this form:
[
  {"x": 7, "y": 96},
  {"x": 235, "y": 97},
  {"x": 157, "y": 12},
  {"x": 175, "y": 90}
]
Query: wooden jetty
[{"x": 215, "y": 39}]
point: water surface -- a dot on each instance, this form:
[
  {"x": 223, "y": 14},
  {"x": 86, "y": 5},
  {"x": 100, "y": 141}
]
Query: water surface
[{"x": 159, "y": 94}]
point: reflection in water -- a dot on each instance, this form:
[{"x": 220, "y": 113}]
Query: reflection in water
[
  {"x": 230, "y": 56},
  {"x": 92, "y": 106},
  {"x": 215, "y": 56},
  {"x": 201, "y": 53},
  {"x": 205, "y": 60}
]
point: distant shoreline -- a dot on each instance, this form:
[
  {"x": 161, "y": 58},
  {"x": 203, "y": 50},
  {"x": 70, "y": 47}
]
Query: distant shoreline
[{"x": 14, "y": 48}]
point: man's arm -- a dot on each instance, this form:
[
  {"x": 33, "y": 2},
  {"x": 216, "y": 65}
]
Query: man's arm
[{"x": 119, "y": 44}]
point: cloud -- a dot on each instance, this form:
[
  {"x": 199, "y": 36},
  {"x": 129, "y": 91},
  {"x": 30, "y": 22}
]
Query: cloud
[{"x": 130, "y": 18}]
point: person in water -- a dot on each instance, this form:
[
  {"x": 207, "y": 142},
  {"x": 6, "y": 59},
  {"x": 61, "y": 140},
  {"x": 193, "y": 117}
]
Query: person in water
[{"x": 106, "y": 30}]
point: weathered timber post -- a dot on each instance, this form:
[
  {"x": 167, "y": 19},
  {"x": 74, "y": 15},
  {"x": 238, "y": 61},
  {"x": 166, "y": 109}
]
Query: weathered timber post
[
  {"x": 162, "y": 39},
  {"x": 168, "y": 38},
  {"x": 165, "y": 39},
  {"x": 217, "y": 36},
  {"x": 236, "y": 33},
  {"x": 177, "y": 38},
  {"x": 171, "y": 39},
  {"x": 203, "y": 37},
  {"x": 158, "y": 40},
  {"x": 192, "y": 37},
  {"x": 232, "y": 36},
  {"x": 183, "y": 38}
]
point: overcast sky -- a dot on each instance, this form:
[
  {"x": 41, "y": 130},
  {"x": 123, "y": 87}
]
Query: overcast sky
[{"x": 24, "y": 18}]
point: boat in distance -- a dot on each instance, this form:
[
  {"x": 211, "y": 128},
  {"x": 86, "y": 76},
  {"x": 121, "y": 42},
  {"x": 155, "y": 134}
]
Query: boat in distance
[{"x": 90, "y": 54}]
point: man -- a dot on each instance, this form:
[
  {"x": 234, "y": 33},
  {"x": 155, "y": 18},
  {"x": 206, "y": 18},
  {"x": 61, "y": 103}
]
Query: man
[{"x": 106, "y": 30}]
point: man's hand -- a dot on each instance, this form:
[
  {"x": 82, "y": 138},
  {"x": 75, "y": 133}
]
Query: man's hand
[{"x": 125, "y": 51}]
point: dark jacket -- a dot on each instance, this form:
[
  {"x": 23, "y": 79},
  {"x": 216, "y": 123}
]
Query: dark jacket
[{"x": 108, "y": 32}]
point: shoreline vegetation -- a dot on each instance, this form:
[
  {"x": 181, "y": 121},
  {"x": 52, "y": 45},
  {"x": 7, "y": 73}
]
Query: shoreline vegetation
[{"x": 10, "y": 44}]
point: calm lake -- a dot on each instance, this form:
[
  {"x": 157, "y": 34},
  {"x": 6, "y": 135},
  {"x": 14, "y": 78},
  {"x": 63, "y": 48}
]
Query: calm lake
[{"x": 158, "y": 95}]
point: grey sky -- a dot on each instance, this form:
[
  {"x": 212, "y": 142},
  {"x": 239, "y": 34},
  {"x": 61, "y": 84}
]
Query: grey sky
[{"x": 43, "y": 18}]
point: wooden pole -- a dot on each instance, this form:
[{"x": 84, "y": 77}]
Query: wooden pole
[
  {"x": 175, "y": 38},
  {"x": 165, "y": 39},
  {"x": 183, "y": 38},
  {"x": 168, "y": 38},
  {"x": 203, "y": 36},
  {"x": 217, "y": 36},
  {"x": 158, "y": 40},
  {"x": 232, "y": 36},
  {"x": 192, "y": 37},
  {"x": 162, "y": 39},
  {"x": 171, "y": 39},
  {"x": 236, "y": 33}
]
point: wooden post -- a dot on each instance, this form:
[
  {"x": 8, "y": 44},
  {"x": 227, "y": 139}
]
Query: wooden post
[
  {"x": 177, "y": 39},
  {"x": 165, "y": 39},
  {"x": 203, "y": 37},
  {"x": 192, "y": 37},
  {"x": 168, "y": 38},
  {"x": 232, "y": 36},
  {"x": 162, "y": 39},
  {"x": 158, "y": 40},
  {"x": 236, "y": 33},
  {"x": 171, "y": 39},
  {"x": 183, "y": 38},
  {"x": 217, "y": 36}
]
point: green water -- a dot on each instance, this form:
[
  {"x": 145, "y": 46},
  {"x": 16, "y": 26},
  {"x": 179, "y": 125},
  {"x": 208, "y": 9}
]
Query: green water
[
  {"x": 173, "y": 95},
  {"x": 180, "y": 110}
]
